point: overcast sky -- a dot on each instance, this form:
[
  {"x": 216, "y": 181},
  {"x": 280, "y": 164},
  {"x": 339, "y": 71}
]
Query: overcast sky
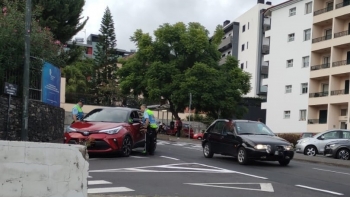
[{"x": 147, "y": 15}]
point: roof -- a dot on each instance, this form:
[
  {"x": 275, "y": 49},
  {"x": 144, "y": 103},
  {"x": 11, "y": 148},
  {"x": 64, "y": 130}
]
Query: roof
[{"x": 281, "y": 5}]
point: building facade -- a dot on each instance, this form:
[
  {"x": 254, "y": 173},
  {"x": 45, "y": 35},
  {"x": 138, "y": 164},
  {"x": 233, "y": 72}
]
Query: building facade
[
  {"x": 241, "y": 40},
  {"x": 286, "y": 49},
  {"x": 329, "y": 99}
]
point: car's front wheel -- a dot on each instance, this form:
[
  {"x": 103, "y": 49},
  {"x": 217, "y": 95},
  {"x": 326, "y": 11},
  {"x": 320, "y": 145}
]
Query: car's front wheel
[
  {"x": 343, "y": 154},
  {"x": 310, "y": 150},
  {"x": 207, "y": 151},
  {"x": 242, "y": 156},
  {"x": 127, "y": 146},
  {"x": 284, "y": 162}
]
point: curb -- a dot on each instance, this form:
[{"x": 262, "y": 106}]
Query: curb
[{"x": 297, "y": 157}]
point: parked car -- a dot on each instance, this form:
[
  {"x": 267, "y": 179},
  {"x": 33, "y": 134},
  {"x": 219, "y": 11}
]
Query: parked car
[
  {"x": 306, "y": 135},
  {"x": 246, "y": 140},
  {"x": 338, "y": 149},
  {"x": 109, "y": 130},
  {"x": 185, "y": 129},
  {"x": 316, "y": 144},
  {"x": 199, "y": 136}
]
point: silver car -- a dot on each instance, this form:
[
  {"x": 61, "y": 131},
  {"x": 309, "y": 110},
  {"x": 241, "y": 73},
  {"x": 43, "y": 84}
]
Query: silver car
[{"x": 315, "y": 145}]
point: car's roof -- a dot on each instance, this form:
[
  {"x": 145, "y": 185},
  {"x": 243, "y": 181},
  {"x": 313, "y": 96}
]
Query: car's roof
[
  {"x": 121, "y": 108},
  {"x": 236, "y": 120}
]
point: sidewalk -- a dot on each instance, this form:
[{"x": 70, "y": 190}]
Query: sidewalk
[
  {"x": 116, "y": 195},
  {"x": 297, "y": 156}
]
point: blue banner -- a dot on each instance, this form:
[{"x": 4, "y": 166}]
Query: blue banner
[{"x": 51, "y": 85}]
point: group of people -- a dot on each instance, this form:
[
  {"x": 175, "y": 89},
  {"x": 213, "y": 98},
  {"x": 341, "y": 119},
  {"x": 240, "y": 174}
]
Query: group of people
[{"x": 149, "y": 125}]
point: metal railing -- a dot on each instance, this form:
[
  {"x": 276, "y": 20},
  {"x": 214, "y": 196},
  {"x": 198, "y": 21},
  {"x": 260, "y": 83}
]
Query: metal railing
[
  {"x": 317, "y": 121},
  {"x": 339, "y": 92},
  {"x": 321, "y": 66},
  {"x": 341, "y": 34},
  {"x": 318, "y": 94},
  {"x": 341, "y": 63},
  {"x": 342, "y": 4},
  {"x": 324, "y": 10},
  {"x": 323, "y": 38}
]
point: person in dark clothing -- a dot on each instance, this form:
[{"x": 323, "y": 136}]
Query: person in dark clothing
[{"x": 178, "y": 127}]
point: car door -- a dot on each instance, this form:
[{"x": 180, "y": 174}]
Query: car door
[
  {"x": 229, "y": 142},
  {"x": 326, "y": 138},
  {"x": 215, "y": 136},
  {"x": 135, "y": 128}
]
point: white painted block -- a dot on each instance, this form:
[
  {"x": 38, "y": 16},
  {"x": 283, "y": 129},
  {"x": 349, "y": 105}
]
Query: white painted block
[
  {"x": 35, "y": 155},
  {"x": 60, "y": 173},
  {"x": 36, "y": 172},
  {"x": 35, "y": 189},
  {"x": 16, "y": 154},
  {"x": 17, "y": 143},
  {"x": 10, "y": 188},
  {"x": 3, "y": 153},
  {"x": 12, "y": 171},
  {"x": 74, "y": 193},
  {"x": 4, "y": 143}
]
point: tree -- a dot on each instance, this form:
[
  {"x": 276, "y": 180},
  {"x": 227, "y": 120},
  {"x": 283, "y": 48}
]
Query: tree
[
  {"x": 78, "y": 76},
  {"x": 12, "y": 38},
  {"x": 183, "y": 59},
  {"x": 62, "y": 17},
  {"x": 106, "y": 60}
]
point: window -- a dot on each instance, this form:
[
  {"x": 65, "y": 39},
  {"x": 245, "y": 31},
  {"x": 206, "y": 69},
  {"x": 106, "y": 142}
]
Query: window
[
  {"x": 343, "y": 112},
  {"x": 218, "y": 127},
  {"x": 248, "y": 25},
  {"x": 223, "y": 55},
  {"x": 247, "y": 45},
  {"x": 242, "y": 47},
  {"x": 292, "y": 11},
  {"x": 289, "y": 63},
  {"x": 286, "y": 114},
  {"x": 228, "y": 53},
  {"x": 290, "y": 37},
  {"x": 308, "y": 8},
  {"x": 246, "y": 64},
  {"x": 243, "y": 28},
  {"x": 302, "y": 115},
  {"x": 307, "y": 34},
  {"x": 306, "y": 61},
  {"x": 229, "y": 34},
  {"x": 304, "y": 87},
  {"x": 288, "y": 88},
  {"x": 242, "y": 66}
]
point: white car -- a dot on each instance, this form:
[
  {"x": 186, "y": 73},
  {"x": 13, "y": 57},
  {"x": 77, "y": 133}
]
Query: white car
[{"x": 316, "y": 144}]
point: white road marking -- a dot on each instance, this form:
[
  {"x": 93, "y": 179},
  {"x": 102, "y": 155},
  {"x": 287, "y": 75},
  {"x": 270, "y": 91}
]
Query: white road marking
[
  {"x": 99, "y": 182},
  {"x": 193, "y": 148},
  {"x": 264, "y": 187},
  {"x": 137, "y": 157},
  {"x": 321, "y": 190},
  {"x": 331, "y": 171},
  {"x": 170, "y": 158},
  {"x": 109, "y": 190},
  {"x": 89, "y": 177},
  {"x": 179, "y": 168}
]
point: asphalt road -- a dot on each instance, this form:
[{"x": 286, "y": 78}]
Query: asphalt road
[{"x": 180, "y": 169}]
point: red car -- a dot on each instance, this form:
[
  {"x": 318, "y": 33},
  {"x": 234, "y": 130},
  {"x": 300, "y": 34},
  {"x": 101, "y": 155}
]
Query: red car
[
  {"x": 185, "y": 128},
  {"x": 198, "y": 136},
  {"x": 108, "y": 130}
]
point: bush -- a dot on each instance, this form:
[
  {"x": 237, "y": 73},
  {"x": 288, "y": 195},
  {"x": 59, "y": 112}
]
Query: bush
[{"x": 290, "y": 137}]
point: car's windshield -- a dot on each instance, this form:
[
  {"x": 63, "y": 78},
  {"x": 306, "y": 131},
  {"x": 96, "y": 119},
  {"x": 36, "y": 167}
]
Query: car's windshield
[
  {"x": 305, "y": 135},
  {"x": 106, "y": 115},
  {"x": 253, "y": 128}
]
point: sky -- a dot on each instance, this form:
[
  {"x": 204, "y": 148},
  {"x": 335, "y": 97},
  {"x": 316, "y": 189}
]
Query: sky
[{"x": 148, "y": 15}]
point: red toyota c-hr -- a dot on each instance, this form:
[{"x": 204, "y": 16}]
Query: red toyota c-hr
[{"x": 108, "y": 130}]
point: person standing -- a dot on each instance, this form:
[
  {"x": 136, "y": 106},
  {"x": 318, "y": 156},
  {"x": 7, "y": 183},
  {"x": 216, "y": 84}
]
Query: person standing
[
  {"x": 77, "y": 112},
  {"x": 149, "y": 123},
  {"x": 179, "y": 127}
]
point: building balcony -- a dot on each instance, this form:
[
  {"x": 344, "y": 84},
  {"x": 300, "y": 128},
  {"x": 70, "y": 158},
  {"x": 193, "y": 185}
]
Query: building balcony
[
  {"x": 317, "y": 121},
  {"x": 264, "y": 68},
  {"x": 341, "y": 63},
  {"x": 318, "y": 94},
  {"x": 322, "y": 38},
  {"x": 319, "y": 67},
  {"x": 341, "y": 34},
  {"x": 225, "y": 44},
  {"x": 265, "y": 81},
  {"x": 323, "y": 10},
  {"x": 266, "y": 46},
  {"x": 267, "y": 24},
  {"x": 339, "y": 92},
  {"x": 342, "y": 4}
]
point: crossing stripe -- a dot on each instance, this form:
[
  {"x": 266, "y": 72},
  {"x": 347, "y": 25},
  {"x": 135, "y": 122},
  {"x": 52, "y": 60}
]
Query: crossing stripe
[{"x": 109, "y": 190}]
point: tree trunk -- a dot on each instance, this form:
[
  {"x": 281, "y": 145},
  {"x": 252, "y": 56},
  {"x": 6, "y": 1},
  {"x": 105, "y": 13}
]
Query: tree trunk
[{"x": 174, "y": 111}]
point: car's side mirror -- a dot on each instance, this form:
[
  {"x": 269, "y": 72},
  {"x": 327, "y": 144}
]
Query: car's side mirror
[
  {"x": 231, "y": 134},
  {"x": 321, "y": 137}
]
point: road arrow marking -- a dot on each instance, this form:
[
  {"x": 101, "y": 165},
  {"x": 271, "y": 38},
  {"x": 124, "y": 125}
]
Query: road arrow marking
[{"x": 264, "y": 187}]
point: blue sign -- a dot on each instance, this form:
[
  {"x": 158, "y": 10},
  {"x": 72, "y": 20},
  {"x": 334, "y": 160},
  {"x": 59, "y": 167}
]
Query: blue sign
[{"x": 51, "y": 85}]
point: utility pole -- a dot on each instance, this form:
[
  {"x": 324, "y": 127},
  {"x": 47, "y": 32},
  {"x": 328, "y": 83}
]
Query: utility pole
[
  {"x": 27, "y": 32},
  {"x": 189, "y": 117}
]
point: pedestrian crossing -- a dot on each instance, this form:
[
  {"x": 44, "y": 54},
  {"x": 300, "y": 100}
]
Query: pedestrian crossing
[
  {"x": 103, "y": 186},
  {"x": 181, "y": 144}
]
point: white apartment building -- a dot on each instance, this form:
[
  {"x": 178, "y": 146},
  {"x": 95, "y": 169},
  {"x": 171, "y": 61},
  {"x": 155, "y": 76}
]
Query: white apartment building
[
  {"x": 242, "y": 40},
  {"x": 287, "y": 47}
]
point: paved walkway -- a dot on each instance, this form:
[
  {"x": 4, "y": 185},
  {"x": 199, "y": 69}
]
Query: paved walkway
[{"x": 297, "y": 156}]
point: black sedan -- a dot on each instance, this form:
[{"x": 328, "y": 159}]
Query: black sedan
[
  {"x": 338, "y": 149},
  {"x": 246, "y": 140}
]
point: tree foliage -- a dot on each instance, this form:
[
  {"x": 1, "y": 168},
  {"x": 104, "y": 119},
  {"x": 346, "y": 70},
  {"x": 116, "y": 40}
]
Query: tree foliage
[
  {"x": 182, "y": 59},
  {"x": 78, "y": 76},
  {"x": 12, "y": 39}
]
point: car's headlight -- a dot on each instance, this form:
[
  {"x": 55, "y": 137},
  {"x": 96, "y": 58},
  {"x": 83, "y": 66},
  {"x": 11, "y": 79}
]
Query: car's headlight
[
  {"x": 332, "y": 145},
  {"x": 70, "y": 129},
  {"x": 290, "y": 147},
  {"x": 111, "y": 131},
  {"x": 260, "y": 147}
]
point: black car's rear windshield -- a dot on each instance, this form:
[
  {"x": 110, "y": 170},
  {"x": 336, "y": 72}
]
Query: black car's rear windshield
[
  {"x": 107, "y": 115},
  {"x": 252, "y": 128}
]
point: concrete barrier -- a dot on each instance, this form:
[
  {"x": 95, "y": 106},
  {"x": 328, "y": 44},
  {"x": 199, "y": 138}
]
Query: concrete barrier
[{"x": 29, "y": 169}]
